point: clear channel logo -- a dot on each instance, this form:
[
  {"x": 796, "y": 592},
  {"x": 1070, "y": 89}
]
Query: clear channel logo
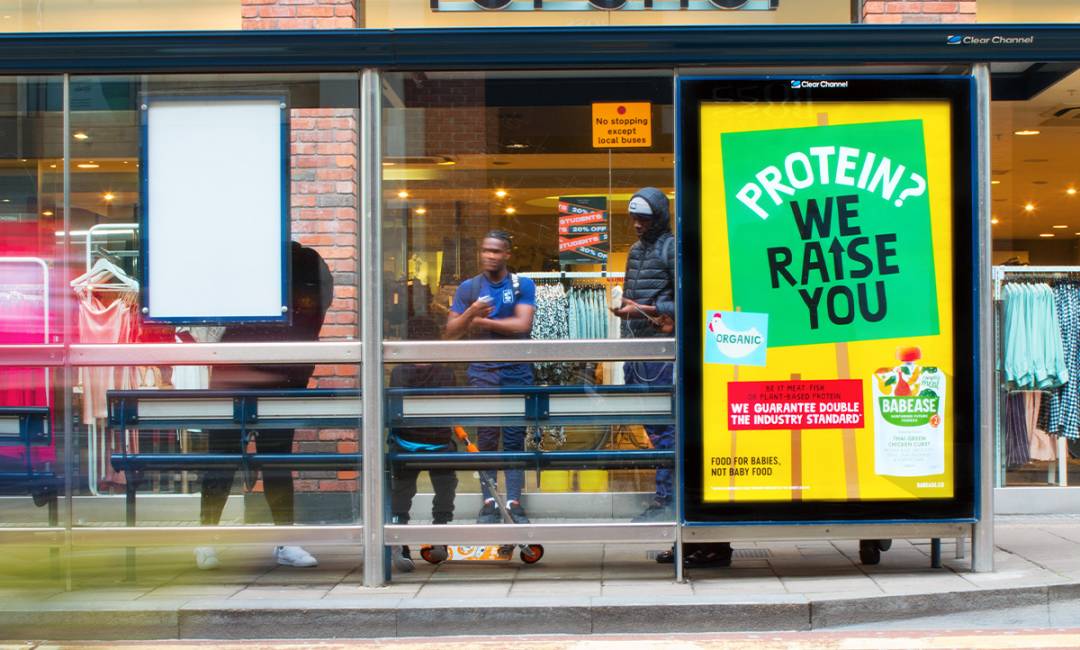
[
  {"x": 962, "y": 39},
  {"x": 802, "y": 84}
]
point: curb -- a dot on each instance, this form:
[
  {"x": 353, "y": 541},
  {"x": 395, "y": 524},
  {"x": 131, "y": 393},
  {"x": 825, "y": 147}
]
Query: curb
[{"x": 371, "y": 617}]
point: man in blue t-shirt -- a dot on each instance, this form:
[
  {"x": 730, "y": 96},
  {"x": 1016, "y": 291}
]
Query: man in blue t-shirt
[{"x": 496, "y": 304}]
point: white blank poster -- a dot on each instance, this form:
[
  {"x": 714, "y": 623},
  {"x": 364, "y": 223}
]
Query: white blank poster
[{"x": 214, "y": 209}]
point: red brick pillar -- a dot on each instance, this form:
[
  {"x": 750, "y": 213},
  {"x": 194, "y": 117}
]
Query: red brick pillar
[
  {"x": 325, "y": 163},
  {"x": 904, "y": 11}
]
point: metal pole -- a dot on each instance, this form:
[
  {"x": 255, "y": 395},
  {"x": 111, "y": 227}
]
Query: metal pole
[
  {"x": 680, "y": 575},
  {"x": 982, "y": 538},
  {"x": 371, "y": 368},
  {"x": 67, "y": 373}
]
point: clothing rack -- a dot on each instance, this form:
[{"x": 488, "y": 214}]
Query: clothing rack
[
  {"x": 116, "y": 228},
  {"x": 572, "y": 275},
  {"x": 1000, "y": 275}
]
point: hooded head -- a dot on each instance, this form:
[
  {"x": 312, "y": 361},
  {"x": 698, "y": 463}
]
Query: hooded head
[{"x": 650, "y": 210}]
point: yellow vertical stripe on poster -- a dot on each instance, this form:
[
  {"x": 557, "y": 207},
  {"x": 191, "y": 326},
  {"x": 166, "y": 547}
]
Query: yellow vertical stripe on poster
[{"x": 822, "y": 451}]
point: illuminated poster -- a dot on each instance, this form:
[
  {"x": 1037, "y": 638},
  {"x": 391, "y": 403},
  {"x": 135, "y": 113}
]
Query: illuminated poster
[{"x": 834, "y": 218}]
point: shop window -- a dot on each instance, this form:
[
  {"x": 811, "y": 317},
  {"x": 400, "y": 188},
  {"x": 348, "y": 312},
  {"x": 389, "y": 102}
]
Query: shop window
[{"x": 1036, "y": 253}]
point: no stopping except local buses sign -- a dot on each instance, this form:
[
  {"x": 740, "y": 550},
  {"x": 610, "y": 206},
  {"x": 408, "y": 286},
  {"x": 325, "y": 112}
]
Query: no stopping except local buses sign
[
  {"x": 834, "y": 217},
  {"x": 617, "y": 125}
]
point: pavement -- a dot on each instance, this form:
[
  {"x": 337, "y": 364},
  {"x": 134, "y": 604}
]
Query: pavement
[{"x": 575, "y": 589}]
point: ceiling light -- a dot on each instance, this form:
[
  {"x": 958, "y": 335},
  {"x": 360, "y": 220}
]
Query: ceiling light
[
  {"x": 1027, "y": 132},
  {"x": 1060, "y": 227},
  {"x": 994, "y": 221},
  {"x": 403, "y": 194},
  {"x": 108, "y": 196},
  {"x": 79, "y": 135},
  {"x": 1029, "y": 207},
  {"x": 87, "y": 166},
  {"x": 1046, "y": 234},
  {"x": 388, "y": 164},
  {"x": 517, "y": 145},
  {"x": 511, "y": 210},
  {"x": 47, "y": 213},
  {"x": 7, "y": 200},
  {"x": 995, "y": 182},
  {"x": 52, "y": 166},
  {"x": 446, "y": 163},
  {"x": 501, "y": 193},
  {"x": 1071, "y": 191},
  {"x": 421, "y": 211}
]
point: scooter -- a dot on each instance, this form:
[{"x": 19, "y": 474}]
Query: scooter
[{"x": 436, "y": 554}]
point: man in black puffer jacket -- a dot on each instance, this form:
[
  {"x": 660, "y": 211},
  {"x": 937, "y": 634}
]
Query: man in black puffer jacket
[{"x": 648, "y": 310}]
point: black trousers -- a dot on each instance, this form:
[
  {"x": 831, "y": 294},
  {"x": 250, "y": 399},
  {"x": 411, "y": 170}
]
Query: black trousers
[
  {"x": 403, "y": 489},
  {"x": 277, "y": 482}
]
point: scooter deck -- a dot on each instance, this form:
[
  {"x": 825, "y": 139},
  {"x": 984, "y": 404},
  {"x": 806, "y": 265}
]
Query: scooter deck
[{"x": 494, "y": 553}]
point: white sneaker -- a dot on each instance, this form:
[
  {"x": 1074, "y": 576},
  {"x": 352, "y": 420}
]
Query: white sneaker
[
  {"x": 294, "y": 556},
  {"x": 206, "y": 558},
  {"x": 401, "y": 559}
]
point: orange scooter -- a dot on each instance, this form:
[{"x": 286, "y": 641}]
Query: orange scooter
[{"x": 436, "y": 554}]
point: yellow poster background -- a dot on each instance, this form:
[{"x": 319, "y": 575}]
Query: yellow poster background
[{"x": 828, "y": 464}]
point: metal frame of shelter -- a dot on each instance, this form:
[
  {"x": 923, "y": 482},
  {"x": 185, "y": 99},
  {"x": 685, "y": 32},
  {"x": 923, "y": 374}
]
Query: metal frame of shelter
[{"x": 1028, "y": 58}]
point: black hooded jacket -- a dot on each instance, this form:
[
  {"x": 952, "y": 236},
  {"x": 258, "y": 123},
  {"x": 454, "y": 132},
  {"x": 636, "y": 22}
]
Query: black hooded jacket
[{"x": 650, "y": 269}]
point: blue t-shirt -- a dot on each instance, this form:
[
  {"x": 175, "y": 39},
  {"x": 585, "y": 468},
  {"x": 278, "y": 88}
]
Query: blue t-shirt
[{"x": 503, "y": 300}]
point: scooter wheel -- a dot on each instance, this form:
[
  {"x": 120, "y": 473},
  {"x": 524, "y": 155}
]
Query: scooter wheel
[
  {"x": 433, "y": 554},
  {"x": 869, "y": 552},
  {"x": 531, "y": 554}
]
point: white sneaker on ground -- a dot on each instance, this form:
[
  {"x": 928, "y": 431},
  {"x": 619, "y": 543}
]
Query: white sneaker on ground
[
  {"x": 294, "y": 556},
  {"x": 402, "y": 559},
  {"x": 206, "y": 558}
]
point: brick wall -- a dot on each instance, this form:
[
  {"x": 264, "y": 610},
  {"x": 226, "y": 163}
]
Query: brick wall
[
  {"x": 905, "y": 11},
  {"x": 325, "y": 161}
]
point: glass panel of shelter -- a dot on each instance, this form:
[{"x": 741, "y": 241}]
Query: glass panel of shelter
[{"x": 518, "y": 156}]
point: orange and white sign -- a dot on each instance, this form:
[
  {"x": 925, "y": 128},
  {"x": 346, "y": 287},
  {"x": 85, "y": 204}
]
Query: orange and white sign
[{"x": 617, "y": 125}]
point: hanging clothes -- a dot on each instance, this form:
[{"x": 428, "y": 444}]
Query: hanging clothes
[
  {"x": 551, "y": 321},
  {"x": 1040, "y": 444},
  {"x": 104, "y": 323},
  {"x": 1034, "y": 352},
  {"x": 1064, "y": 418},
  {"x": 1017, "y": 445}
]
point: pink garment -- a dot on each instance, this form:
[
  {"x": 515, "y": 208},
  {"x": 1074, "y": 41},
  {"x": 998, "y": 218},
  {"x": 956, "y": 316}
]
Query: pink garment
[
  {"x": 22, "y": 321},
  {"x": 100, "y": 323},
  {"x": 1041, "y": 444}
]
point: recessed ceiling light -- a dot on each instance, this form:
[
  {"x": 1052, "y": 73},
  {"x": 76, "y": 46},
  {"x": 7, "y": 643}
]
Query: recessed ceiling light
[
  {"x": 47, "y": 213},
  {"x": 1046, "y": 234},
  {"x": 403, "y": 194},
  {"x": 388, "y": 164},
  {"x": 421, "y": 211},
  {"x": 1062, "y": 227},
  {"x": 501, "y": 193},
  {"x": 87, "y": 166},
  {"x": 1027, "y": 132},
  {"x": 1071, "y": 191},
  {"x": 995, "y": 182},
  {"x": 995, "y": 221},
  {"x": 517, "y": 145},
  {"x": 108, "y": 196},
  {"x": 6, "y": 201},
  {"x": 125, "y": 162},
  {"x": 1029, "y": 207},
  {"x": 79, "y": 135},
  {"x": 511, "y": 210},
  {"x": 52, "y": 166},
  {"x": 446, "y": 163}
]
